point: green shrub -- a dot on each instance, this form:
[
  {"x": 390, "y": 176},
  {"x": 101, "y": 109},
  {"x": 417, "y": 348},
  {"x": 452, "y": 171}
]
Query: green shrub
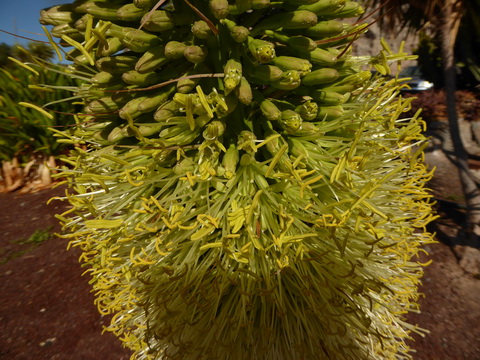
[
  {"x": 25, "y": 131},
  {"x": 28, "y": 147}
]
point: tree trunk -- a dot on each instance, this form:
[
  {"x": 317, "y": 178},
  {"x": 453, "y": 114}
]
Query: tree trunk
[{"x": 451, "y": 18}]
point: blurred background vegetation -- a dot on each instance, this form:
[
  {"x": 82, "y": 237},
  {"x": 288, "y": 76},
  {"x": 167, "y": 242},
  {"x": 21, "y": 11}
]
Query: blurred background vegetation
[{"x": 28, "y": 149}]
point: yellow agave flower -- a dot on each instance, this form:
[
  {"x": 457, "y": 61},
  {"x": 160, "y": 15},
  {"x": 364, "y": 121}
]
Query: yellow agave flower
[{"x": 230, "y": 209}]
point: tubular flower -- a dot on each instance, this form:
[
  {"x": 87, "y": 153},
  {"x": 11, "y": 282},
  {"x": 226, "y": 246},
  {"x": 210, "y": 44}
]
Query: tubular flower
[{"x": 243, "y": 189}]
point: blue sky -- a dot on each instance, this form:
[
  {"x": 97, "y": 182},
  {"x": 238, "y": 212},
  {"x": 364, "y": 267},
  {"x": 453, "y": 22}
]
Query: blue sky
[{"x": 21, "y": 17}]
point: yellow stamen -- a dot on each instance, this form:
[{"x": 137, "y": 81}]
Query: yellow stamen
[
  {"x": 25, "y": 66},
  {"x": 35, "y": 107}
]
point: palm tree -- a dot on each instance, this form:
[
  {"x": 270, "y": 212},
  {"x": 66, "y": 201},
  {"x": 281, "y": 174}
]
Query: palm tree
[
  {"x": 446, "y": 18},
  {"x": 34, "y": 49},
  {"x": 41, "y": 50},
  {"x": 5, "y": 52}
]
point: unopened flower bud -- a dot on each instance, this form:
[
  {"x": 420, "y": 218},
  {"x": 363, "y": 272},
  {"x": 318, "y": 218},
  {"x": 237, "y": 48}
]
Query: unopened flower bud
[
  {"x": 267, "y": 73},
  {"x": 289, "y": 81},
  {"x": 230, "y": 161},
  {"x": 270, "y": 110},
  {"x": 233, "y": 74},
  {"x": 174, "y": 49},
  {"x": 201, "y": 30},
  {"x": 219, "y": 8},
  {"x": 195, "y": 54},
  {"x": 239, "y": 34},
  {"x": 244, "y": 92},
  {"x": 290, "y": 121},
  {"x": 263, "y": 51},
  {"x": 308, "y": 110}
]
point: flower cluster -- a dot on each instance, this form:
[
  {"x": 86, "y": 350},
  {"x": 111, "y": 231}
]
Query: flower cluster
[{"x": 246, "y": 190}]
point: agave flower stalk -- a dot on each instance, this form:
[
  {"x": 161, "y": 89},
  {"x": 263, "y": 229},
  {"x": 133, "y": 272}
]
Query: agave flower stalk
[{"x": 263, "y": 199}]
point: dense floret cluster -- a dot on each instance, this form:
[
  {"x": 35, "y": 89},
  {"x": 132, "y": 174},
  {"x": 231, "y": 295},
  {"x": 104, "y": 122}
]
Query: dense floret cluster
[{"x": 245, "y": 189}]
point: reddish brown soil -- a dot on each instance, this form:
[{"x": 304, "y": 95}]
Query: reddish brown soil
[
  {"x": 46, "y": 308},
  {"x": 47, "y": 311}
]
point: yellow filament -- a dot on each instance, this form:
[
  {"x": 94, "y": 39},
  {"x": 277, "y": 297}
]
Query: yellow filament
[
  {"x": 53, "y": 43},
  {"x": 79, "y": 47},
  {"x": 25, "y": 66},
  {"x": 35, "y": 107},
  {"x": 276, "y": 159}
]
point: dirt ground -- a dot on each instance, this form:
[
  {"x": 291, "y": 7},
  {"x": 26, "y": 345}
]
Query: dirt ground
[{"x": 47, "y": 310}]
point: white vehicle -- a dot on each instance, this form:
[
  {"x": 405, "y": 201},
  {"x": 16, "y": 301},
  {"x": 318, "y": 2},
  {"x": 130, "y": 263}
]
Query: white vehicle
[{"x": 416, "y": 82}]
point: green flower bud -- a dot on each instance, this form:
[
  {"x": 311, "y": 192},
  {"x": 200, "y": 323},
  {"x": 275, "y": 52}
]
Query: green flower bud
[
  {"x": 185, "y": 86},
  {"x": 129, "y": 12},
  {"x": 319, "y": 56},
  {"x": 167, "y": 110},
  {"x": 301, "y": 43},
  {"x": 349, "y": 9},
  {"x": 57, "y": 15},
  {"x": 130, "y": 109},
  {"x": 326, "y": 29},
  {"x": 184, "y": 166},
  {"x": 243, "y": 5},
  {"x": 301, "y": 2},
  {"x": 289, "y": 81},
  {"x": 330, "y": 112},
  {"x": 103, "y": 78},
  {"x": 262, "y": 51},
  {"x": 320, "y": 76},
  {"x": 233, "y": 74},
  {"x": 267, "y": 73},
  {"x": 81, "y": 24},
  {"x": 239, "y": 34},
  {"x": 133, "y": 39},
  {"x": 290, "y": 121},
  {"x": 116, "y": 64},
  {"x": 201, "y": 30},
  {"x": 293, "y": 63},
  {"x": 102, "y": 105},
  {"x": 230, "y": 161},
  {"x": 322, "y": 7},
  {"x": 158, "y": 21},
  {"x": 270, "y": 110},
  {"x": 260, "y": 4},
  {"x": 300, "y": 19},
  {"x": 356, "y": 79},
  {"x": 144, "y": 4},
  {"x": 329, "y": 97},
  {"x": 307, "y": 129},
  {"x": 195, "y": 54},
  {"x": 151, "y": 59},
  {"x": 244, "y": 92},
  {"x": 112, "y": 46},
  {"x": 219, "y": 8},
  {"x": 115, "y": 135},
  {"x": 308, "y": 110},
  {"x": 68, "y": 30},
  {"x": 174, "y": 49}
]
